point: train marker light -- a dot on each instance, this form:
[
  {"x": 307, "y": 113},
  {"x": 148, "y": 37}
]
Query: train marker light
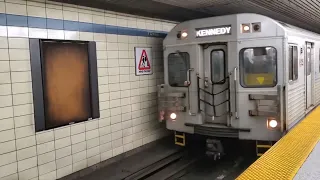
[
  {"x": 173, "y": 116},
  {"x": 184, "y": 34},
  {"x": 245, "y": 28},
  {"x": 179, "y": 35},
  {"x": 256, "y": 27}
]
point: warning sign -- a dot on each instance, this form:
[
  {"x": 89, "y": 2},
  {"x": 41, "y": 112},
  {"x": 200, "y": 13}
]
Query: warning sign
[
  {"x": 143, "y": 58},
  {"x": 144, "y": 63},
  {"x": 260, "y": 79}
]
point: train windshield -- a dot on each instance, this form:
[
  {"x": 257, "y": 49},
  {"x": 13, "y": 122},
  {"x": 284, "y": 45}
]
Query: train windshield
[
  {"x": 258, "y": 67},
  {"x": 178, "y": 65},
  {"x": 217, "y": 66}
]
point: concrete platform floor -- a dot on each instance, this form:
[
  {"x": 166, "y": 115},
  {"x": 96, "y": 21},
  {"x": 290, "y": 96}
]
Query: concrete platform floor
[{"x": 311, "y": 168}]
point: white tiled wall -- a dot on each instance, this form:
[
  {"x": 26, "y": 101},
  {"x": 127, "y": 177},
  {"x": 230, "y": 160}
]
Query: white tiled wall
[{"x": 127, "y": 102}]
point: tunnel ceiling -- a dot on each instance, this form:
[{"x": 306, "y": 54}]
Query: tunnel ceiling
[{"x": 302, "y": 13}]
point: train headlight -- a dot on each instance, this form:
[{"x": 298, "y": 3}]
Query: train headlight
[
  {"x": 173, "y": 116},
  {"x": 272, "y": 123}
]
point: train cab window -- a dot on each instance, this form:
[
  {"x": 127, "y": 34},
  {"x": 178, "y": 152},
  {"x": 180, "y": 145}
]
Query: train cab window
[
  {"x": 293, "y": 63},
  {"x": 217, "y": 66},
  {"x": 258, "y": 67},
  {"x": 178, "y": 65}
]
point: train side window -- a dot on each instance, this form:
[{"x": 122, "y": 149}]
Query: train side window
[
  {"x": 258, "y": 67},
  {"x": 178, "y": 65},
  {"x": 293, "y": 63},
  {"x": 218, "y": 66}
]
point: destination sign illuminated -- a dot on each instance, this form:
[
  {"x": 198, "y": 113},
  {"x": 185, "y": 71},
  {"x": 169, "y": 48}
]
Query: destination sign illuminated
[{"x": 213, "y": 31}]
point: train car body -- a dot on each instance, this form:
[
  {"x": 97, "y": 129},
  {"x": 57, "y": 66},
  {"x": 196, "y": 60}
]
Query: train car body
[{"x": 243, "y": 76}]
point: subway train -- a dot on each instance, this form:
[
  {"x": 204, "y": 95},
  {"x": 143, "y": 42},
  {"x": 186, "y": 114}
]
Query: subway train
[{"x": 242, "y": 76}]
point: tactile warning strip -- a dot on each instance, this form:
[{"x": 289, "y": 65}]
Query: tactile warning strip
[{"x": 283, "y": 160}]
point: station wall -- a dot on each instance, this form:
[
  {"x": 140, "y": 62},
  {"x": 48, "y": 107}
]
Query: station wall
[{"x": 128, "y": 111}]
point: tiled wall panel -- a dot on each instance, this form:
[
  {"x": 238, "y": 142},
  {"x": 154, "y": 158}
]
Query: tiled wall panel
[{"x": 127, "y": 102}]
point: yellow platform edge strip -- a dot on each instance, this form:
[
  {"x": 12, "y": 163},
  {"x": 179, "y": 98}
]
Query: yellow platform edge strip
[{"x": 283, "y": 160}]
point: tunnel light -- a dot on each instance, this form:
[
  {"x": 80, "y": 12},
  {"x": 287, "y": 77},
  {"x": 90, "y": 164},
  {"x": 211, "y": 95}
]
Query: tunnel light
[{"x": 173, "y": 116}]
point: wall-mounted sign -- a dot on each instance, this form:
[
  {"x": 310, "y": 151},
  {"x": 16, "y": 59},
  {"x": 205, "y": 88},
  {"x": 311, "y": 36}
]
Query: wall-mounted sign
[
  {"x": 213, "y": 31},
  {"x": 143, "y": 59}
]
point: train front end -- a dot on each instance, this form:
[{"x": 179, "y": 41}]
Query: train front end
[{"x": 222, "y": 79}]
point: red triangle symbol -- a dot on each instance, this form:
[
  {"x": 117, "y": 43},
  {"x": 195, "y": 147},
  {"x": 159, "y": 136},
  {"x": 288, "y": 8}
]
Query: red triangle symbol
[{"x": 144, "y": 63}]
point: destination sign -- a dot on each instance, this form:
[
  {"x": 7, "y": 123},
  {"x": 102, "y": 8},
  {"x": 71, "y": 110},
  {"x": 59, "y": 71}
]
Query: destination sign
[{"x": 214, "y": 31}]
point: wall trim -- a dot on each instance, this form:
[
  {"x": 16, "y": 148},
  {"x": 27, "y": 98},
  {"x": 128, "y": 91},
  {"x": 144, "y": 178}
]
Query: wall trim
[{"x": 58, "y": 24}]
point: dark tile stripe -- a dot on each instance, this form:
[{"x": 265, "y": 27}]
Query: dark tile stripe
[
  {"x": 48, "y": 23},
  {"x": 71, "y": 25},
  {"x": 15, "y": 20},
  {"x": 99, "y": 28},
  {"x": 55, "y": 24},
  {"x": 127, "y": 31},
  {"x": 35, "y": 22},
  {"x": 85, "y": 27},
  {"x": 111, "y": 29},
  {"x": 3, "y": 20}
]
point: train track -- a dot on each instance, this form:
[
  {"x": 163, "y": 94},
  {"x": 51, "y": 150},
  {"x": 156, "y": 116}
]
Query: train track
[
  {"x": 171, "y": 167},
  {"x": 171, "y": 162},
  {"x": 186, "y": 165}
]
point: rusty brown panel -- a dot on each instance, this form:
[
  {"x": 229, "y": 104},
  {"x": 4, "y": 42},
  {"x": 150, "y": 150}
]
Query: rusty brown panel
[{"x": 66, "y": 83}]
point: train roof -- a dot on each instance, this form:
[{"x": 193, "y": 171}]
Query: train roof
[
  {"x": 211, "y": 29},
  {"x": 296, "y": 30}
]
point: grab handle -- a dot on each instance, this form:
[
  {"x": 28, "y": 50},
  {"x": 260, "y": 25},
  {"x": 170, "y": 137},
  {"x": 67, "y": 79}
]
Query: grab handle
[
  {"x": 235, "y": 92},
  {"x": 188, "y": 81}
]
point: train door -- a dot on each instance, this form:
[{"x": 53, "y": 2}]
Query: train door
[
  {"x": 179, "y": 76},
  {"x": 308, "y": 63},
  {"x": 215, "y": 67}
]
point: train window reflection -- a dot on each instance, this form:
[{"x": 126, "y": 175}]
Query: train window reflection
[
  {"x": 308, "y": 61},
  {"x": 217, "y": 66},
  {"x": 178, "y": 65},
  {"x": 258, "y": 67}
]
